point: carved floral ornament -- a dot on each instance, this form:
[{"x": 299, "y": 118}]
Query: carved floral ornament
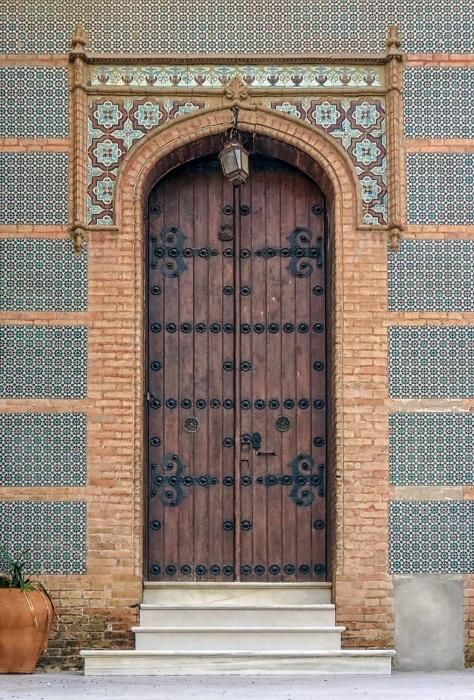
[{"x": 352, "y": 99}]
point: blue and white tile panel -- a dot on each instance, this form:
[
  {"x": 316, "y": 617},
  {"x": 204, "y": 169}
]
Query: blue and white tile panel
[
  {"x": 431, "y": 537},
  {"x": 43, "y": 449},
  {"x": 53, "y": 535}
]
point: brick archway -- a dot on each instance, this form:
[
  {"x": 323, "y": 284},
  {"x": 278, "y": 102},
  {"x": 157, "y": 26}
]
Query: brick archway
[{"x": 313, "y": 152}]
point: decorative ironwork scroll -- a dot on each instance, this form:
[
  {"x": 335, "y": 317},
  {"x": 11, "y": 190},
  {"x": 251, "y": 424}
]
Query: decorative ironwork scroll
[
  {"x": 302, "y": 480},
  {"x": 300, "y": 250},
  {"x": 171, "y": 252},
  {"x": 168, "y": 479}
]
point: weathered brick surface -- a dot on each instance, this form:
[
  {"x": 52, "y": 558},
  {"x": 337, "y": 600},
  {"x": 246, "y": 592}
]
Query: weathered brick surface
[{"x": 98, "y": 609}]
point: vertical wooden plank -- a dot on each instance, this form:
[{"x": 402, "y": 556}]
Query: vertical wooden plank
[
  {"x": 237, "y": 384},
  {"x": 318, "y": 389},
  {"x": 185, "y": 361},
  {"x": 228, "y": 427},
  {"x": 271, "y": 437},
  {"x": 259, "y": 365},
  {"x": 245, "y": 338},
  {"x": 155, "y": 335},
  {"x": 170, "y": 378},
  {"x": 303, "y": 380},
  {"x": 201, "y": 372},
  {"x": 288, "y": 372},
  {"x": 217, "y": 557}
]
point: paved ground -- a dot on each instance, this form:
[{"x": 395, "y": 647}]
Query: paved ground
[{"x": 399, "y": 686}]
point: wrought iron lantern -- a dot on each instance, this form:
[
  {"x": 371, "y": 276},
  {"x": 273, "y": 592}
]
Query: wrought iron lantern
[{"x": 233, "y": 157}]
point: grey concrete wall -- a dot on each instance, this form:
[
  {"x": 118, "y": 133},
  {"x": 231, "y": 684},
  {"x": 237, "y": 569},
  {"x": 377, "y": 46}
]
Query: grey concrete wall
[{"x": 429, "y": 623}]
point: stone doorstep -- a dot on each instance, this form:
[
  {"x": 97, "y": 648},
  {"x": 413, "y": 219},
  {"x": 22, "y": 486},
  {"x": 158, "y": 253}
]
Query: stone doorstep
[{"x": 169, "y": 663}]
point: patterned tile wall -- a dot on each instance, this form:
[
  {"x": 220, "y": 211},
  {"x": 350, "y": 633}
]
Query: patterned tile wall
[
  {"x": 34, "y": 102},
  {"x": 43, "y": 449},
  {"x": 431, "y": 449},
  {"x": 359, "y": 127},
  {"x": 33, "y": 188},
  {"x": 431, "y": 362},
  {"x": 223, "y": 26},
  {"x": 54, "y": 533},
  {"x": 426, "y": 275},
  {"x": 113, "y": 127},
  {"x": 42, "y": 275},
  {"x": 44, "y": 362},
  {"x": 439, "y": 102},
  {"x": 439, "y": 188},
  {"x": 431, "y": 537}
]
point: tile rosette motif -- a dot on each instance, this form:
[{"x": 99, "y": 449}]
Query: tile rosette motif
[
  {"x": 431, "y": 448},
  {"x": 428, "y": 275},
  {"x": 43, "y": 362},
  {"x": 438, "y": 102},
  {"x": 431, "y": 537},
  {"x": 39, "y": 274},
  {"x": 34, "y": 102},
  {"x": 431, "y": 362},
  {"x": 359, "y": 126},
  {"x": 439, "y": 188},
  {"x": 34, "y": 188},
  {"x": 255, "y": 76},
  {"x": 114, "y": 125},
  {"x": 43, "y": 449},
  {"x": 54, "y": 533},
  {"x": 226, "y": 27}
]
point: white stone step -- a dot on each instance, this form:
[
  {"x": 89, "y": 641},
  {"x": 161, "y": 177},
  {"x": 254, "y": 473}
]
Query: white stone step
[
  {"x": 237, "y": 638},
  {"x": 171, "y": 663},
  {"x": 236, "y": 593},
  {"x": 217, "y": 615}
]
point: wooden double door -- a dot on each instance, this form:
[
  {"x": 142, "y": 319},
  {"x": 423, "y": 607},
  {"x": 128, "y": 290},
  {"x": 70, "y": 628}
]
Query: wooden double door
[{"x": 236, "y": 401}]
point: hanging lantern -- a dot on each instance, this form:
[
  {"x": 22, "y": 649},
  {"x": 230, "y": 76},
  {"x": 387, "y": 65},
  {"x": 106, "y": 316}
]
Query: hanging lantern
[{"x": 233, "y": 157}]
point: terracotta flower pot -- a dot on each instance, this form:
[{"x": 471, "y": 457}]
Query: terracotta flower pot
[{"x": 25, "y": 622}]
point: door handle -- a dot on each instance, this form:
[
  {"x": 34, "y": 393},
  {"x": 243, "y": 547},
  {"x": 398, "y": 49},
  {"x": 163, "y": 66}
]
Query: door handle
[{"x": 266, "y": 453}]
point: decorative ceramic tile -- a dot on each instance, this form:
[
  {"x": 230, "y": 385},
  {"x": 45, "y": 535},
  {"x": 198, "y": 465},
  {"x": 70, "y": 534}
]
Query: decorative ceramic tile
[
  {"x": 42, "y": 275},
  {"x": 431, "y": 449},
  {"x": 426, "y": 275},
  {"x": 432, "y": 537},
  {"x": 53, "y": 533},
  {"x": 34, "y": 102},
  {"x": 43, "y": 449},
  {"x": 43, "y": 362},
  {"x": 359, "y": 126},
  {"x": 439, "y": 102},
  {"x": 255, "y": 76},
  {"x": 33, "y": 188},
  {"x": 223, "y": 26},
  {"x": 114, "y": 126},
  {"x": 430, "y": 362},
  {"x": 439, "y": 188}
]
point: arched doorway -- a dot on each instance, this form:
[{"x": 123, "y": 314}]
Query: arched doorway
[{"x": 236, "y": 376}]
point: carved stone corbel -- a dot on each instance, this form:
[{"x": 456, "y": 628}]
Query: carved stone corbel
[
  {"x": 77, "y": 234},
  {"x": 394, "y": 236}
]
